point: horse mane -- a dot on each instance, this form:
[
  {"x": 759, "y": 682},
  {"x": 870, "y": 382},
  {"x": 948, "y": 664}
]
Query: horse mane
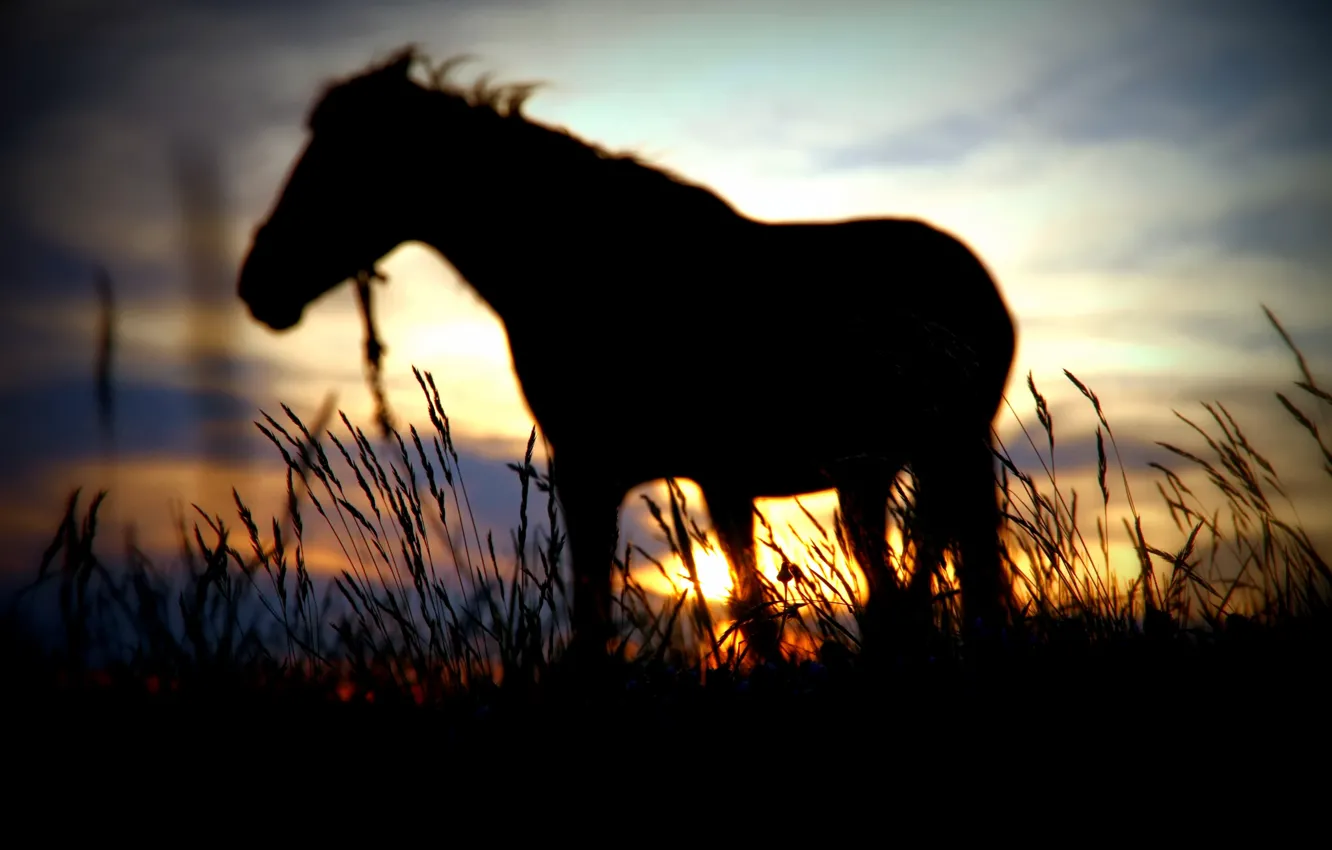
[{"x": 503, "y": 103}]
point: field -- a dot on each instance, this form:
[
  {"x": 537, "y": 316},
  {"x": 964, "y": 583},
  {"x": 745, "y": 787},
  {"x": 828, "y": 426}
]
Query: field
[{"x": 430, "y": 647}]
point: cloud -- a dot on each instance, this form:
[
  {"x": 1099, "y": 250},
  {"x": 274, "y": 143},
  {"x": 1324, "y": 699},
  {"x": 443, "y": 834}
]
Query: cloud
[
  {"x": 942, "y": 142},
  {"x": 61, "y": 422},
  {"x": 1296, "y": 229},
  {"x": 1234, "y": 81}
]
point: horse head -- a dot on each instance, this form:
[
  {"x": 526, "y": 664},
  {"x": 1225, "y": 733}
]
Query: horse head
[{"x": 342, "y": 208}]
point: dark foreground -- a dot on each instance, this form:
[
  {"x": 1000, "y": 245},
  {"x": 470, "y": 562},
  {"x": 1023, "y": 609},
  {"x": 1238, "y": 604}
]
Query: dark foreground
[{"x": 1244, "y": 702}]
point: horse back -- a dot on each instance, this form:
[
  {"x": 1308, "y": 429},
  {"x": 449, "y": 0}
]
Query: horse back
[
  {"x": 865, "y": 311},
  {"x": 893, "y": 267}
]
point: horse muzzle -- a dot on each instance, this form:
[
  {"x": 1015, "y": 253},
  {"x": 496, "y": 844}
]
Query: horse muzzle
[
  {"x": 277, "y": 319},
  {"x": 278, "y": 314},
  {"x": 261, "y": 284}
]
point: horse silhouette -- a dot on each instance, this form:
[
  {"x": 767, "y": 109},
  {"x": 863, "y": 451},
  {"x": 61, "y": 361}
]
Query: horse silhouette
[{"x": 893, "y": 332}]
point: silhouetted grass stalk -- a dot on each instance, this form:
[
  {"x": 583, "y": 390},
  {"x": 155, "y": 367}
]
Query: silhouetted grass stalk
[{"x": 411, "y": 618}]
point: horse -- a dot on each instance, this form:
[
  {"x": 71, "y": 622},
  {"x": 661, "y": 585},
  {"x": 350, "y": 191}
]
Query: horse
[{"x": 577, "y": 248}]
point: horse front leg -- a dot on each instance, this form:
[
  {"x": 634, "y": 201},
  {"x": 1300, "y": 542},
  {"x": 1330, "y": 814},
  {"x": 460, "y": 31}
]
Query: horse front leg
[
  {"x": 986, "y": 592},
  {"x": 733, "y": 518},
  {"x": 591, "y": 506},
  {"x": 863, "y": 489},
  {"x": 958, "y": 505}
]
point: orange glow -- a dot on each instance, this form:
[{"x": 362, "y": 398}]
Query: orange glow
[
  {"x": 789, "y": 527},
  {"x": 151, "y": 494},
  {"x": 714, "y": 575}
]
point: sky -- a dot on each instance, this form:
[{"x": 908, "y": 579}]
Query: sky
[{"x": 1140, "y": 177}]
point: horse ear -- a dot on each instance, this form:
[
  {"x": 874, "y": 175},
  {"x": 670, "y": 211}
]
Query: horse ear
[{"x": 399, "y": 64}]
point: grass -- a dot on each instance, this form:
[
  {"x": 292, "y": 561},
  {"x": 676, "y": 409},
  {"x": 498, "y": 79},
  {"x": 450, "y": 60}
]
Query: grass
[{"x": 428, "y": 620}]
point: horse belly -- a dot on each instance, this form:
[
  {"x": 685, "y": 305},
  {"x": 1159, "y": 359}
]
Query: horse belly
[
  {"x": 776, "y": 480},
  {"x": 780, "y": 459}
]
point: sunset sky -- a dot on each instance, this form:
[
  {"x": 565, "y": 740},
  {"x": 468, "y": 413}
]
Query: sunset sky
[{"x": 1140, "y": 176}]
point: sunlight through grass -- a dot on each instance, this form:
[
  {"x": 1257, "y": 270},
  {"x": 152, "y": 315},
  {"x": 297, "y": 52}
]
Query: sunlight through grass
[{"x": 426, "y": 604}]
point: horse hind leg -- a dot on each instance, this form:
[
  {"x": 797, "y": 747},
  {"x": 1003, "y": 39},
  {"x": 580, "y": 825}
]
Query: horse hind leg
[
  {"x": 733, "y": 519},
  {"x": 985, "y": 591},
  {"x": 957, "y": 504},
  {"x": 863, "y": 489}
]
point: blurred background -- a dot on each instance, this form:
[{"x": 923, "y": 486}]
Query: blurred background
[{"x": 1140, "y": 176}]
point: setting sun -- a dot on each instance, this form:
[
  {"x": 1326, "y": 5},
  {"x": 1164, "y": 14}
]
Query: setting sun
[{"x": 792, "y": 532}]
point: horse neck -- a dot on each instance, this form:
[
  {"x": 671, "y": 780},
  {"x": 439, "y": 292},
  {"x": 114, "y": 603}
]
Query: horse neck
[
  {"x": 546, "y": 212},
  {"x": 496, "y": 234}
]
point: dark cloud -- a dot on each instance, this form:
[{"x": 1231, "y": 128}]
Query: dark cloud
[
  {"x": 1075, "y": 454},
  {"x": 67, "y": 52},
  {"x": 1185, "y": 77},
  {"x": 1190, "y": 76},
  {"x": 1256, "y": 409},
  {"x": 1310, "y": 331},
  {"x": 1247, "y": 331},
  {"x": 939, "y": 143},
  {"x": 43, "y": 271},
  {"x": 1297, "y": 229},
  {"x": 1188, "y": 99},
  {"x": 38, "y": 267},
  {"x": 60, "y": 423}
]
